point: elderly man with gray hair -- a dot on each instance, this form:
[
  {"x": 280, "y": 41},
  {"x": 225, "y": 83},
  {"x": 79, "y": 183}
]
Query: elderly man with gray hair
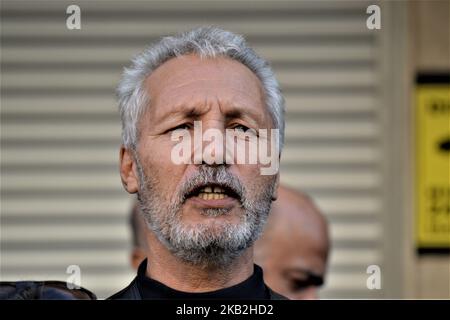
[{"x": 203, "y": 213}]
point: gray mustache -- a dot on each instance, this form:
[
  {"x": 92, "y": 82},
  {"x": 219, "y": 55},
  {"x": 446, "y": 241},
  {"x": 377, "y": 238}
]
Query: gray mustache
[{"x": 212, "y": 175}]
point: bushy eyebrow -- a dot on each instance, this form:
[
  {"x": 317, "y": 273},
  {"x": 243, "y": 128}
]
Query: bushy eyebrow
[
  {"x": 187, "y": 111},
  {"x": 196, "y": 111},
  {"x": 246, "y": 114}
]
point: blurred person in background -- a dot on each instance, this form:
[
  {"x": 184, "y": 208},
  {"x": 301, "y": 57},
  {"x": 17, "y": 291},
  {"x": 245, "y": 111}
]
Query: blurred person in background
[{"x": 293, "y": 249}]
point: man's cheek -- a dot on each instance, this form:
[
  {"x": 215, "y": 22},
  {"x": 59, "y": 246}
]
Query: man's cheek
[
  {"x": 262, "y": 181},
  {"x": 159, "y": 156},
  {"x": 249, "y": 171}
]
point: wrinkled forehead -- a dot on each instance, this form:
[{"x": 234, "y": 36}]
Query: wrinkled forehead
[{"x": 193, "y": 81}]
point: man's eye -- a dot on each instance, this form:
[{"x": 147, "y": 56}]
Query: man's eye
[
  {"x": 299, "y": 284},
  {"x": 186, "y": 126},
  {"x": 311, "y": 280},
  {"x": 241, "y": 127}
]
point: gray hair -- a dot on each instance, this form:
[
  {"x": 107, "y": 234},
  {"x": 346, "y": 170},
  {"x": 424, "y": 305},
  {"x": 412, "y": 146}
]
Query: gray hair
[{"x": 206, "y": 42}]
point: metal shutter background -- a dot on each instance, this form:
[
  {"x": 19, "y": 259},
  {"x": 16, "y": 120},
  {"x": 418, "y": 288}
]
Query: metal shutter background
[{"x": 62, "y": 201}]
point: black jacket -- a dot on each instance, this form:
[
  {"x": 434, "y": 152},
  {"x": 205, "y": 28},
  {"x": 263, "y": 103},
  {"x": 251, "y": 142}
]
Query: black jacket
[{"x": 132, "y": 293}]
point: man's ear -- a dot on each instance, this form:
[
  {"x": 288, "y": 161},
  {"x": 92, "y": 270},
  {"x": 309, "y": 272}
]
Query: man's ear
[
  {"x": 128, "y": 170},
  {"x": 275, "y": 190}
]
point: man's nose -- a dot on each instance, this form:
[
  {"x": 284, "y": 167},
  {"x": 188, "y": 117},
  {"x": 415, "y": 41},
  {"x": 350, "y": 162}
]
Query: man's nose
[{"x": 209, "y": 142}]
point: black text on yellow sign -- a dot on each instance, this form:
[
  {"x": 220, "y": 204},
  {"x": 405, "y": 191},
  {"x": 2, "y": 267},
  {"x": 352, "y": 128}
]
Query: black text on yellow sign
[{"x": 433, "y": 166}]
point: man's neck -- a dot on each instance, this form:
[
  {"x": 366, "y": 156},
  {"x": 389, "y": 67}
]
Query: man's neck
[{"x": 164, "y": 267}]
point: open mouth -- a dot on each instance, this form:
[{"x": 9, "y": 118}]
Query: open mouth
[{"x": 213, "y": 192}]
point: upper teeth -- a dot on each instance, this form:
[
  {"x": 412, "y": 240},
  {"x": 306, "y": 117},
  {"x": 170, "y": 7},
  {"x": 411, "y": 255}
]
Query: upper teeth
[
  {"x": 209, "y": 193},
  {"x": 215, "y": 190}
]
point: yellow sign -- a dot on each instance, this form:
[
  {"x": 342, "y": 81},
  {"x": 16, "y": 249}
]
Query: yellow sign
[{"x": 433, "y": 166}]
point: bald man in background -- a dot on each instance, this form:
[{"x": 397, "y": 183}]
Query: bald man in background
[{"x": 293, "y": 250}]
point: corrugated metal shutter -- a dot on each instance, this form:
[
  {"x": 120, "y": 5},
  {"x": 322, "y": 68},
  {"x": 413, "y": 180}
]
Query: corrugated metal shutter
[{"x": 62, "y": 200}]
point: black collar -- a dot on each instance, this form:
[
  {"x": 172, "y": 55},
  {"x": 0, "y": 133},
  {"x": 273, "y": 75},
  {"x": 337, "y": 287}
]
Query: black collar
[{"x": 252, "y": 288}]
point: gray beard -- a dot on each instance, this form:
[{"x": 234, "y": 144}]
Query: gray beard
[{"x": 206, "y": 245}]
